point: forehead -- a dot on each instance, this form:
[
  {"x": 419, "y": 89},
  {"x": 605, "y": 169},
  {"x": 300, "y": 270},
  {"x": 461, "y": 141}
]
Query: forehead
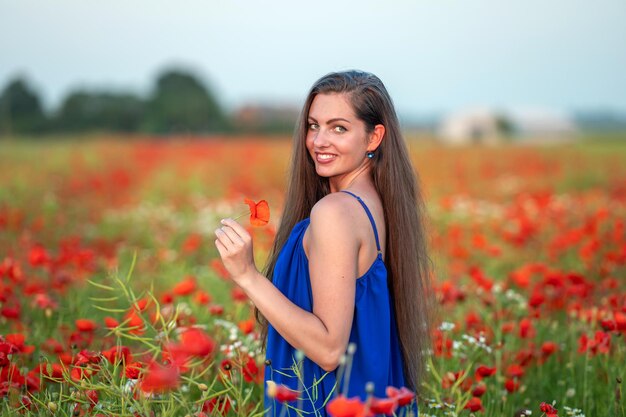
[{"x": 330, "y": 106}]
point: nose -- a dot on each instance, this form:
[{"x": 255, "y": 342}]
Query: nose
[{"x": 320, "y": 139}]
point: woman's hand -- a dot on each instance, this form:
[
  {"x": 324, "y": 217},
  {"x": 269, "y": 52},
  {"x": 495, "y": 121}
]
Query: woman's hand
[{"x": 234, "y": 244}]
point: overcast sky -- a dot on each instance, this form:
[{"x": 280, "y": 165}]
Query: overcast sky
[{"x": 433, "y": 55}]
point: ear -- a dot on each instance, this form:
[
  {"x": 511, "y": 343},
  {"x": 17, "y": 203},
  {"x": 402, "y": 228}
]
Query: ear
[{"x": 376, "y": 137}]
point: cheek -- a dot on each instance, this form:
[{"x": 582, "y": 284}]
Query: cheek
[{"x": 309, "y": 142}]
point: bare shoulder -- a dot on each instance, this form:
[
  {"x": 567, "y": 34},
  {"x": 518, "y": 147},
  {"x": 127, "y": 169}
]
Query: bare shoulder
[
  {"x": 334, "y": 209},
  {"x": 335, "y": 205},
  {"x": 332, "y": 216}
]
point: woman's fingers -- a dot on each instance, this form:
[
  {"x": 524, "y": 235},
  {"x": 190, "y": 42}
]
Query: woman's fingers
[
  {"x": 232, "y": 235},
  {"x": 237, "y": 228},
  {"x": 221, "y": 248},
  {"x": 234, "y": 245},
  {"x": 223, "y": 238}
]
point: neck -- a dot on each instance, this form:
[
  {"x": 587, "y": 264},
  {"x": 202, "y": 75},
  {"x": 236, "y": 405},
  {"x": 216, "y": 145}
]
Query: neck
[{"x": 360, "y": 176}]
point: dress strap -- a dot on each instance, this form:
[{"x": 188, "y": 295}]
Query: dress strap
[{"x": 369, "y": 214}]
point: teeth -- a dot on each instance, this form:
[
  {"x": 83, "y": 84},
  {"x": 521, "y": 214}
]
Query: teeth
[{"x": 325, "y": 156}]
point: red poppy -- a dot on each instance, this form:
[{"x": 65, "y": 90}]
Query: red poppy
[
  {"x": 202, "y": 297},
  {"x": 177, "y": 354},
  {"x": 548, "y": 348},
  {"x": 216, "y": 309},
  {"x": 186, "y": 286},
  {"x": 479, "y": 390},
  {"x": 548, "y": 409},
  {"x": 16, "y": 343},
  {"x": 135, "y": 322},
  {"x": 118, "y": 354},
  {"x": 514, "y": 371},
  {"x": 133, "y": 370},
  {"x": 192, "y": 243},
  {"x": 110, "y": 322},
  {"x": 142, "y": 304},
  {"x": 346, "y": 407},
  {"x": 246, "y": 326},
  {"x": 259, "y": 212},
  {"x": 86, "y": 325},
  {"x": 158, "y": 378},
  {"x": 474, "y": 404},
  {"x": 238, "y": 294},
  {"x": 219, "y": 268},
  {"x": 280, "y": 392},
  {"x": 511, "y": 385},
  {"x": 385, "y": 406},
  {"x": 221, "y": 404},
  {"x": 52, "y": 371},
  {"x": 485, "y": 371},
  {"x": 197, "y": 342},
  {"x": 403, "y": 395},
  {"x": 250, "y": 369}
]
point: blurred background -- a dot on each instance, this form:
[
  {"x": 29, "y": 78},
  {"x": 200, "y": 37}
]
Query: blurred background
[{"x": 459, "y": 72}]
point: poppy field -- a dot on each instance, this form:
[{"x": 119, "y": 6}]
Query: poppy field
[{"x": 113, "y": 300}]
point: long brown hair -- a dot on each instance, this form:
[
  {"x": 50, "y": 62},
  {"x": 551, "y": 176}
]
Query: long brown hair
[{"x": 396, "y": 181}]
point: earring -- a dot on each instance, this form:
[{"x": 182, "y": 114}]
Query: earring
[{"x": 370, "y": 154}]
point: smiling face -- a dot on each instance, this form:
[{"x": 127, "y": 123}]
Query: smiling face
[{"x": 336, "y": 140}]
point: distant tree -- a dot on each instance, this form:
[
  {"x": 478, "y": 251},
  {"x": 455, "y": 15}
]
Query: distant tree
[
  {"x": 505, "y": 127},
  {"x": 181, "y": 103},
  {"x": 20, "y": 109},
  {"x": 83, "y": 110}
]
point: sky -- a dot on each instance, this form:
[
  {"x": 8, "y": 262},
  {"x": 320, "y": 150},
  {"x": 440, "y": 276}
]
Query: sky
[{"x": 432, "y": 55}]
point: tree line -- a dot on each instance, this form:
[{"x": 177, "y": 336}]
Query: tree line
[{"x": 178, "y": 103}]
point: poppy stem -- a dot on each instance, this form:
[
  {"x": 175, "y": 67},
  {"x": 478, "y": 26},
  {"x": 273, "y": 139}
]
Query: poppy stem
[{"x": 241, "y": 215}]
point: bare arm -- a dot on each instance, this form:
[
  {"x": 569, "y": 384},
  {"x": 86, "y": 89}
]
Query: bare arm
[{"x": 333, "y": 250}]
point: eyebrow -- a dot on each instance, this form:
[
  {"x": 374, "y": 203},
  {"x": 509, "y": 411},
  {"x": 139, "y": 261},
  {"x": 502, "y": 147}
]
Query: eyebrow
[{"x": 337, "y": 119}]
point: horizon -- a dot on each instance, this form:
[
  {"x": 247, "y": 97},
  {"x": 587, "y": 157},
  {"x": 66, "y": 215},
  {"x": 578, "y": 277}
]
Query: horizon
[{"x": 568, "y": 58}]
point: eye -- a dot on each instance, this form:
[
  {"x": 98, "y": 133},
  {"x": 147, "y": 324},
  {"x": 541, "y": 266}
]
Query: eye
[
  {"x": 340, "y": 129},
  {"x": 313, "y": 126}
]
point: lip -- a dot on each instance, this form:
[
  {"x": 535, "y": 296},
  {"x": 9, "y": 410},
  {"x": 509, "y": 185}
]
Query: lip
[{"x": 324, "y": 161}]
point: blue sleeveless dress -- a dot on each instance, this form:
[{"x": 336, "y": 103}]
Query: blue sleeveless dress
[{"x": 377, "y": 358}]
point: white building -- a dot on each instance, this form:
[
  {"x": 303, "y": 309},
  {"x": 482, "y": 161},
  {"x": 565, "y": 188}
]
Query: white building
[{"x": 482, "y": 125}]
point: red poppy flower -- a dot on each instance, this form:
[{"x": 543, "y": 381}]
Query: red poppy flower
[
  {"x": 133, "y": 370},
  {"x": 158, "y": 378},
  {"x": 52, "y": 371},
  {"x": 246, "y": 326},
  {"x": 186, "y": 286},
  {"x": 608, "y": 325},
  {"x": 548, "y": 348},
  {"x": 250, "y": 370},
  {"x": 86, "y": 325},
  {"x": 219, "y": 268},
  {"x": 548, "y": 409},
  {"x": 346, "y": 407},
  {"x": 474, "y": 404},
  {"x": 16, "y": 343},
  {"x": 514, "y": 371},
  {"x": 511, "y": 385},
  {"x": 385, "y": 406},
  {"x": 135, "y": 322},
  {"x": 238, "y": 294},
  {"x": 280, "y": 392},
  {"x": 197, "y": 342},
  {"x": 216, "y": 309},
  {"x": 259, "y": 212},
  {"x": 479, "y": 390},
  {"x": 192, "y": 243},
  {"x": 118, "y": 354},
  {"x": 110, "y": 322},
  {"x": 221, "y": 404},
  {"x": 485, "y": 371},
  {"x": 403, "y": 395}
]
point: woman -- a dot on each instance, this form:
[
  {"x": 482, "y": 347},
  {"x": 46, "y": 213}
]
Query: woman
[{"x": 349, "y": 264}]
